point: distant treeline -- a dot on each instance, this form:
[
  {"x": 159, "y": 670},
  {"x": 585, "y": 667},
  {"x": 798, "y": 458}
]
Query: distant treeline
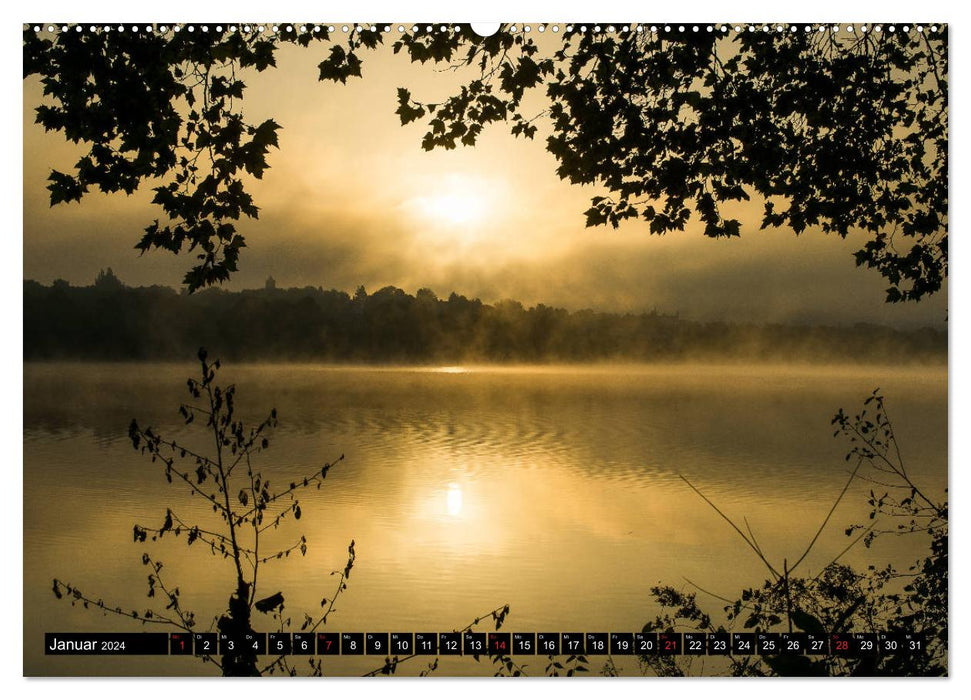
[{"x": 109, "y": 321}]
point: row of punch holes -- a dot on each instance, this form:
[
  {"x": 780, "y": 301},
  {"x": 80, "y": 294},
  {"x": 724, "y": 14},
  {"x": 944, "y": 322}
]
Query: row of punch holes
[{"x": 512, "y": 28}]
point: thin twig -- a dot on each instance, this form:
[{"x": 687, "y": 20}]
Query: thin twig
[
  {"x": 734, "y": 527},
  {"x": 829, "y": 515}
]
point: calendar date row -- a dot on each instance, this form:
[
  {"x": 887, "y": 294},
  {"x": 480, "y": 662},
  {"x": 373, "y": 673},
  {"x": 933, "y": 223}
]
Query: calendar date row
[{"x": 471, "y": 643}]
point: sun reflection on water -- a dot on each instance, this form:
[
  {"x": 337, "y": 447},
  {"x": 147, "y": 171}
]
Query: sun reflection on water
[{"x": 453, "y": 500}]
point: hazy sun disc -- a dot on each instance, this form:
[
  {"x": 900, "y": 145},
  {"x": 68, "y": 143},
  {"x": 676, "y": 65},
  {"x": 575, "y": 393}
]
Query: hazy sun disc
[
  {"x": 454, "y": 207},
  {"x": 457, "y": 200}
]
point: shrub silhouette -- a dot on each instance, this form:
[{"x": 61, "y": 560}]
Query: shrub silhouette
[
  {"x": 245, "y": 506},
  {"x": 838, "y": 598}
]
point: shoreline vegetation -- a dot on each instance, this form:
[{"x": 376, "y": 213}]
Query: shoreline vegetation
[{"x": 113, "y": 322}]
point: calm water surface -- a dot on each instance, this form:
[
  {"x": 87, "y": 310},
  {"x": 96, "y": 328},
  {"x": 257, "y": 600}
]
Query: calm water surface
[{"x": 554, "y": 490}]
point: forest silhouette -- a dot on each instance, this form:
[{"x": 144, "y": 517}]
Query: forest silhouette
[{"x": 110, "y": 321}]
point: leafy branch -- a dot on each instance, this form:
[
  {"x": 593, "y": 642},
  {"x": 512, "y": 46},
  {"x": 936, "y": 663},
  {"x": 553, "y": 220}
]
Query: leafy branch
[{"x": 245, "y": 507}]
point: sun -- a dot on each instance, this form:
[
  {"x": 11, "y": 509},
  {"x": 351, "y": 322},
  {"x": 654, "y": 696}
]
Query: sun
[
  {"x": 454, "y": 201},
  {"x": 454, "y": 207}
]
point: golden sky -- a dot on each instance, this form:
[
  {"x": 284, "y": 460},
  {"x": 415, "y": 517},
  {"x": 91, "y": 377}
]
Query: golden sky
[{"x": 351, "y": 198}]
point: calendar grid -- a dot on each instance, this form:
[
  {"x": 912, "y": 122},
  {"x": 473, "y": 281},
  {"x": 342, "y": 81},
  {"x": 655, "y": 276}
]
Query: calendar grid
[{"x": 474, "y": 644}]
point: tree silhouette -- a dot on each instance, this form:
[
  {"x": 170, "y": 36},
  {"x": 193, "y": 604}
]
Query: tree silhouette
[
  {"x": 842, "y": 131},
  {"x": 107, "y": 281},
  {"x": 845, "y": 131},
  {"x": 164, "y": 106}
]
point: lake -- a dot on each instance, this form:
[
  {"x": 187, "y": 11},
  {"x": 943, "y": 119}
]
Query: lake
[{"x": 553, "y": 489}]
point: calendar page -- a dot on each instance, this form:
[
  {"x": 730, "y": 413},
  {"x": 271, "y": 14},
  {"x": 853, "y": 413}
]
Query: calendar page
[{"x": 520, "y": 349}]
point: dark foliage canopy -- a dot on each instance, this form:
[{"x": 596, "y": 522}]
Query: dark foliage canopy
[{"x": 842, "y": 131}]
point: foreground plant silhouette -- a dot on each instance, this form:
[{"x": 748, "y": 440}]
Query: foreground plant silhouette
[
  {"x": 838, "y": 598},
  {"x": 247, "y": 507}
]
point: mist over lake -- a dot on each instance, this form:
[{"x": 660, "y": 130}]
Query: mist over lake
[{"x": 554, "y": 489}]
